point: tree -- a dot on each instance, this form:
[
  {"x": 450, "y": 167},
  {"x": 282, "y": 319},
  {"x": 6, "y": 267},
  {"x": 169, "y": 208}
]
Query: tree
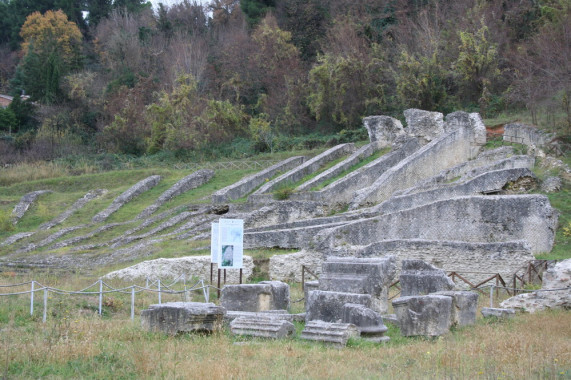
[
  {"x": 255, "y": 9},
  {"x": 51, "y": 48},
  {"x": 477, "y": 62}
]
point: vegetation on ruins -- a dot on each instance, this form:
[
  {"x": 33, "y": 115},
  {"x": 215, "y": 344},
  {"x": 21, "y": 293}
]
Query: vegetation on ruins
[{"x": 192, "y": 81}]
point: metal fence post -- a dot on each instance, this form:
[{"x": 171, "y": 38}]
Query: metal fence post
[
  {"x": 133, "y": 302},
  {"x": 45, "y": 305},
  {"x": 159, "y": 281},
  {"x": 32, "y": 299},
  {"x": 100, "y": 295},
  {"x": 492, "y": 296}
]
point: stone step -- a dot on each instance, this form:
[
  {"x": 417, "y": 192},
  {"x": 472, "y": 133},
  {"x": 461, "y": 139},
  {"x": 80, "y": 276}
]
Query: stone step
[
  {"x": 332, "y": 333},
  {"x": 264, "y": 327}
]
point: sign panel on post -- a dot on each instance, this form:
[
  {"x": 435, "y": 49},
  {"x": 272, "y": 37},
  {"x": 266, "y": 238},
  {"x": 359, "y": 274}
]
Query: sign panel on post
[
  {"x": 214, "y": 243},
  {"x": 230, "y": 243}
]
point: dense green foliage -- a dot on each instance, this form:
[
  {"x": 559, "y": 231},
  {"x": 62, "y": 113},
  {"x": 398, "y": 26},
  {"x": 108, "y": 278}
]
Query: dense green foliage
[{"x": 188, "y": 77}]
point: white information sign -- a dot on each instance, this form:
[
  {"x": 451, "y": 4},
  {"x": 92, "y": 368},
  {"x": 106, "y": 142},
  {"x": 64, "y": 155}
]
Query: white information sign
[
  {"x": 230, "y": 243},
  {"x": 214, "y": 243}
]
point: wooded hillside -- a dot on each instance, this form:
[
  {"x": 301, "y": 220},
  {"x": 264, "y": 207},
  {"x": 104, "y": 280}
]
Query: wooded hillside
[{"x": 122, "y": 77}]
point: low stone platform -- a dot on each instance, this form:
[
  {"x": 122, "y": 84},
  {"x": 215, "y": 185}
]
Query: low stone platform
[
  {"x": 488, "y": 312},
  {"x": 264, "y": 327},
  {"x": 332, "y": 333},
  {"x": 275, "y": 314},
  {"x": 180, "y": 317}
]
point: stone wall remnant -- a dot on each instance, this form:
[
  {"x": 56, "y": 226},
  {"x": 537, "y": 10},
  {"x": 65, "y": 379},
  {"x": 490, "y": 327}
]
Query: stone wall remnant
[
  {"x": 371, "y": 276},
  {"x": 263, "y": 296},
  {"x": 488, "y": 219},
  {"x": 191, "y": 181},
  {"x": 419, "y": 278},
  {"x": 328, "y": 306},
  {"x": 556, "y": 277},
  {"x": 444, "y": 152},
  {"x": 306, "y": 168},
  {"x": 248, "y": 184},
  {"x": 428, "y": 315},
  {"x": 464, "y": 307},
  {"x": 525, "y": 134},
  {"x": 134, "y": 191},
  {"x": 383, "y": 130},
  {"x": 424, "y": 125},
  {"x": 180, "y": 317},
  {"x": 25, "y": 202}
]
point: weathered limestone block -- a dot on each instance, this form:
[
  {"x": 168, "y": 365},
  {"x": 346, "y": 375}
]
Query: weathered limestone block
[
  {"x": 248, "y": 184},
  {"x": 557, "y": 277},
  {"x": 180, "y": 317},
  {"x": 198, "y": 266},
  {"x": 306, "y": 168},
  {"x": 425, "y": 125},
  {"x": 328, "y": 306},
  {"x": 192, "y": 181},
  {"x": 428, "y": 315},
  {"x": 128, "y": 195},
  {"x": 473, "y": 121},
  {"x": 420, "y": 278},
  {"x": 464, "y": 307},
  {"x": 497, "y": 312},
  {"x": 264, "y": 327},
  {"x": 371, "y": 276},
  {"x": 332, "y": 333},
  {"x": 266, "y": 295},
  {"x": 369, "y": 322},
  {"x": 25, "y": 203},
  {"x": 383, "y": 129},
  {"x": 525, "y": 134}
]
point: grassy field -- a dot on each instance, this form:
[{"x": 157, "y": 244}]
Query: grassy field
[{"x": 75, "y": 342}]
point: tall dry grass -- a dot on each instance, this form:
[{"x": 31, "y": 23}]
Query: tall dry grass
[
  {"x": 77, "y": 343},
  {"x": 30, "y": 172}
]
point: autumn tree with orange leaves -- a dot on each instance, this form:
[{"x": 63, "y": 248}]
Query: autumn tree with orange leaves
[{"x": 51, "y": 49}]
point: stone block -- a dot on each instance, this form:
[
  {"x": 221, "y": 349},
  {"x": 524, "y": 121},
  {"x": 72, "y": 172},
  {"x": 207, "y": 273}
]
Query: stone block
[
  {"x": 371, "y": 276},
  {"x": 464, "y": 307},
  {"x": 497, "y": 312},
  {"x": 420, "y": 278},
  {"x": 424, "y": 124},
  {"x": 264, "y": 327},
  {"x": 332, "y": 333},
  {"x": 383, "y": 129},
  {"x": 266, "y": 295},
  {"x": 328, "y": 306},
  {"x": 369, "y": 322},
  {"x": 428, "y": 315},
  {"x": 180, "y": 317}
]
